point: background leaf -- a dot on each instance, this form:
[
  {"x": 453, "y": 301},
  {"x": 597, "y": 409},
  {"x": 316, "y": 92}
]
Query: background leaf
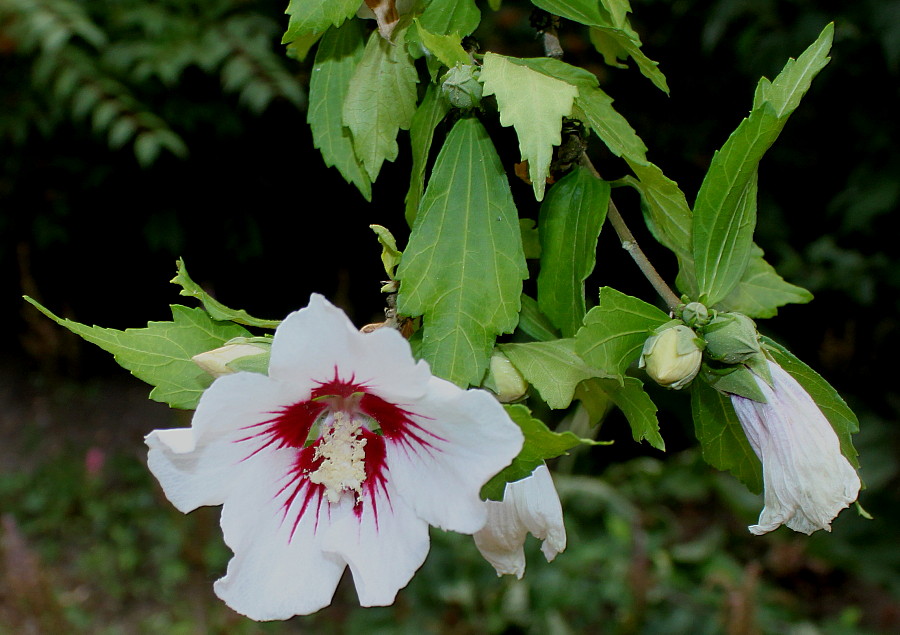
[
  {"x": 315, "y": 16},
  {"x": 463, "y": 266}
]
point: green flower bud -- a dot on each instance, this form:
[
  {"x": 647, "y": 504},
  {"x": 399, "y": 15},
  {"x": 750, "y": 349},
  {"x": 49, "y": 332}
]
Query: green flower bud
[
  {"x": 216, "y": 362},
  {"x": 731, "y": 338},
  {"x": 461, "y": 86},
  {"x": 672, "y": 356},
  {"x": 695, "y": 315},
  {"x": 504, "y": 380}
]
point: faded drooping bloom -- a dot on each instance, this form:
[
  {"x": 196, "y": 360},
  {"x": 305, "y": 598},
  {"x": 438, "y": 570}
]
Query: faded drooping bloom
[
  {"x": 529, "y": 505},
  {"x": 342, "y": 456},
  {"x": 807, "y": 481}
]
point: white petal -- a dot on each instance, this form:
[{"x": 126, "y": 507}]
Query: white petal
[
  {"x": 314, "y": 342},
  {"x": 196, "y": 466},
  {"x": 529, "y": 505},
  {"x": 278, "y": 570},
  {"x": 807, "y": 480},
  {"x": 384, "y": 550},
  {"x": 473, "y": 440}
]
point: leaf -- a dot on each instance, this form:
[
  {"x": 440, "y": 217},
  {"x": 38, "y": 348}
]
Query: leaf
[
  {"x": 315, "y": 16},
  {"x": 541, "y": 443},
  {"x": 161, "y": 353},
  {"x": 617, "y": 42},
  {"x": 835, "y": 409},
  {"x": 338, "y": 55},
  {"x": 216, "y": 309},
  {"x": 534, "y": 104},
  {"x": 553, "y": 368},
  {"x": 761, "y": 291},
  {"x": 390, "y": 255},
  {"x": 444, "y": 17},
  {"x": 463, "y": 266},
  {"x": 725, "y": 210},
  {"x": 611, "y": 127},
  {"x": 429, "y": 114},
  {"x": 533, "y": 323},
  {"x": 531, "y": 242},
  {"x": 380, "y": 101},
  {"x": 640, "y": 411},
  {"x": 569, "y": 225},
  {"x": 615, "y": 330},
  {"x": 722, "y": 439},
  {"x": 446, "y": 48},
  {"x": 584, "y": 11}
]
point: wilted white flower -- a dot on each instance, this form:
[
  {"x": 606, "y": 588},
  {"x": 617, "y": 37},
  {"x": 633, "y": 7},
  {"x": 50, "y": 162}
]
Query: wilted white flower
[
  {"x": 529, "y": 505},
  {"x": 807, "y": 480},
  {"x": 342, "y": 456}
]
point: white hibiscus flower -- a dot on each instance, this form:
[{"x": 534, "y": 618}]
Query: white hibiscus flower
[
  {"x": 342, "y": 456},
  {"x": 807, "y": 480},
  {"x": 529, "y": 505}
]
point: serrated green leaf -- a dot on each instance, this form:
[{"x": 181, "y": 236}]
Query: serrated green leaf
[
  {"x": 553, "y": 368},
  {"x": 835, "y": 409},
  {"x": 315, "y": 16},
  {"x": 446, "y": 48},
  {"x": 390, "y": 255},
  {"x": 463, "y": 266},
  {"x": 569, "y": 225},
  {"x": 725, "y": 210},
  {"x": 583, "y": 11},
  {"x": 337, "y": 57},
  {"x": 533, "y": 323},
  {"x": 541, "y": 444},
  {"x": 300, "y": 47},
  {"x": 160, "y": 354},
  {"x": 761, "y": 291},
  {"x": 637, "y": 406},
  {"x": 616, "y": 43},
  {"x": 534, "y": 104},
  {"x": 444, "y": 17},
  {"x": 380, "y": 102},
  {"x": 429, "y": 114},
  {"x": 216, "y": 309},
  {"x": 614, "y": 331},
  {"x": 611, "y": 127},
  {"x": 722, "y": 440}
]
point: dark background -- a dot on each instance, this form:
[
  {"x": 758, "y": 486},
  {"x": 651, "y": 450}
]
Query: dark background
[{"x": 92, "y": 227}]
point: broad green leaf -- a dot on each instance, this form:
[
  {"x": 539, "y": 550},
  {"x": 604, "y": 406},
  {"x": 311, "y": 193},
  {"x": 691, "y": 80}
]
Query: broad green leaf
[
  {"x": 338, "y": 55},
  {"x": 537, "y": 121},
  {"x": 614, "y": 331},
  {"x": 611, "y": 127},
  {"x": 446, "y": 48},
  {"x": 725, "y": 210},
  {"x": 429, "y": 114},
  {"x": 827, "y": 398},
  {"x": 390, "y": 255},
  {"x": 533, "y": 323},
  {"x": 444, "y": 17},
  {"x": 541, "y": 444},
  {"x": 722, "y": 439},
  {"x": 380, "y": 101},
  {"x": 315, "y": 16},
  {"x": 161, "y": 353},
  {"x": 761, "y": 291},
  {"x": 300, "y": 47},
  {"x": 620, "y": 42},
  {"x": 216, "y": 309},
  {"x": 587, "y": 12},
  {"x": 595, "y": 400},
  {"x": 640, "y": 411},
  {"x": 668, "y": 216},
  {"x": 569, "y": 225},
  {"x": 553, "y": 368},
  {"x": 464, "y": 265},
  {"x": 531, "y": 241},
  {"x": 558, "y": 69}
]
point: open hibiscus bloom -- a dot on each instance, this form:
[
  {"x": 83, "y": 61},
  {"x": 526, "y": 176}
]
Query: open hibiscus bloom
[
  {"x": 807, "y": 480},
  {"x": 529, "y": 505},
  {"x": 343, "y": 455}
]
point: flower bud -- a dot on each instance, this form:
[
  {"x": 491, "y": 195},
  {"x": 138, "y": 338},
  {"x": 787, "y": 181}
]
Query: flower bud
[
  {"x": 461, "y": 86},
  {"x": 695, "y": 314},
  {"x": 216, "y": 362},
  {"x": 731, "y": 338},
  {"x": 504, "y": 380},
  {"x": 672, "y": 357}
]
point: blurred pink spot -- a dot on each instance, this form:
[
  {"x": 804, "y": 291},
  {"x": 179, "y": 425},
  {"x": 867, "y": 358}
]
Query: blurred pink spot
[{"x": 94, "y": 459}]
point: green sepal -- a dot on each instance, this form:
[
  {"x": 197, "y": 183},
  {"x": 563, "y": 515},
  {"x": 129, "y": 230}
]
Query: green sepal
[
  {"x": 161, "y": 353},
  {"x": 541, "y": 444},
  {"x": 736, "y": 379},
  {"x": 216, "y": 309}
]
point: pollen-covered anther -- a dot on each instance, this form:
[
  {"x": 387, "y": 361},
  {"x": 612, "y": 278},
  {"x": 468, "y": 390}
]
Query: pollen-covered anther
[{"x": 342, "y": 452}]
